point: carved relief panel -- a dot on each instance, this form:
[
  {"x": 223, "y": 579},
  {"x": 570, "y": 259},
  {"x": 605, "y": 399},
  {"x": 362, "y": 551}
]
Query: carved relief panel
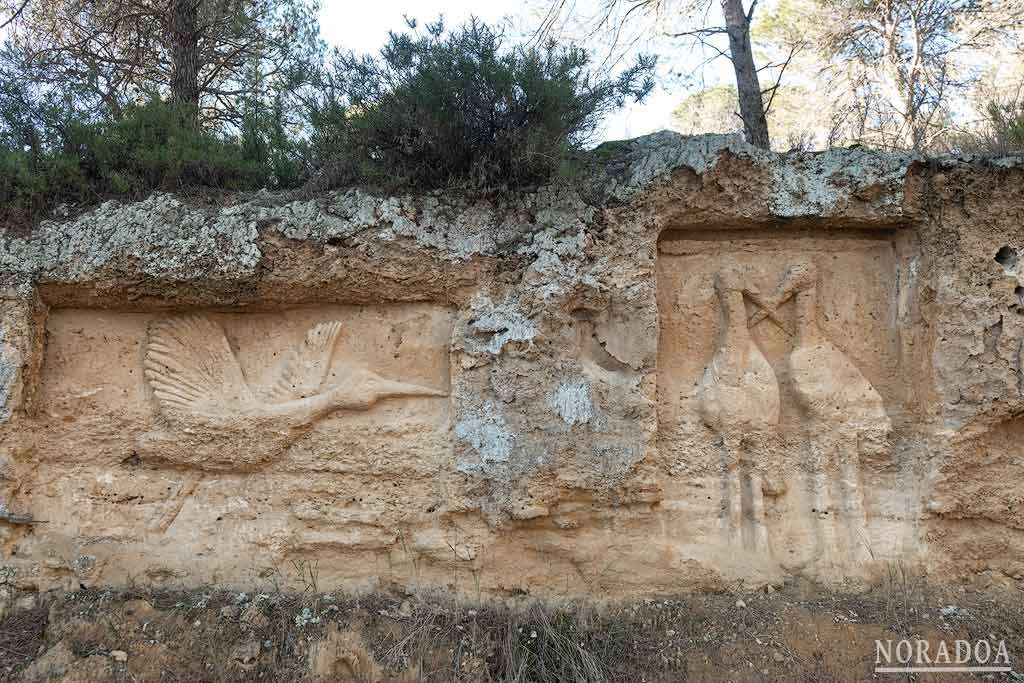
[
  {"x": 778, "y": 367},
  {"x": 201, "y": 389},
  {"x": 217, "y": 391},
  {"x": 205, "y": 445}
]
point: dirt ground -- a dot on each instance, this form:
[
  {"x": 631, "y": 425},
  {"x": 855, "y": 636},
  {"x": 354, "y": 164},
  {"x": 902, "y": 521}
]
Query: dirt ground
[{"x": 798, "y": 633}]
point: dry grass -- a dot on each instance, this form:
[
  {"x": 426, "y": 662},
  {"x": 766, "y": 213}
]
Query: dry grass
[
  {"x": 801, "y": 634},
  {"x": 21, "y": 635}
]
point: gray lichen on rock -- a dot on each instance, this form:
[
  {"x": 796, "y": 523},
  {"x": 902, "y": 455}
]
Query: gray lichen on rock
[
  {"x": 821, "y": 184},
  {"x": 495, "y": 325},
  {"x": 8, "y": 375},
  {"x": 806, "y": 184},
  {"x": 484, "y": 428},
  {"x": 160, "y": 235},
  {"x": 164, "y": 237},
  {"x": 572, "y": 402}
]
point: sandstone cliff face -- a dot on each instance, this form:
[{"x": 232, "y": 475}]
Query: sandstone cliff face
[{"x": 707, "y": 365}]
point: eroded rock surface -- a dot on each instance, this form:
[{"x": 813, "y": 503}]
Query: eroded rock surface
[{"x": 704, "y": 365}]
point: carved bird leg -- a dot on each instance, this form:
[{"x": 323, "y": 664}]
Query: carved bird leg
[
  {"x": 370, "y": 388},
  {"x": 823, "y": 509},
  {"x": 733, "y": 491},
  {"x": 854, "y": 515},
  {"x": 759, "y": 530},
  {"x": 185, "y": 491}
]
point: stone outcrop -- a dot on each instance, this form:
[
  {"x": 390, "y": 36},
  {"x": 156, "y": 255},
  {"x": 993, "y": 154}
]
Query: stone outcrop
[{"x": 702, "y": 366}]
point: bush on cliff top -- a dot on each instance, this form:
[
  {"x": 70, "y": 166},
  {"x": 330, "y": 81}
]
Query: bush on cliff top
[
  {"x": 1002, "y": 131},
  {"x": 458, "y": 109},
  {"x": 148, "y": 149},
  {"x": 436, "y": 109}
]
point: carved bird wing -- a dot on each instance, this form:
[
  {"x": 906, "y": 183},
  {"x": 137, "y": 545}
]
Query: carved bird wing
[
  {"x": 193, "y": 371},
  {"x": 301, "y": 371}
]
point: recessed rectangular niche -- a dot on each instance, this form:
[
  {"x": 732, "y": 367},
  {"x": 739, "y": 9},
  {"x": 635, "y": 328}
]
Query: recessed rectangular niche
[
  {"x": 779, "y": 377},
  {"x": 857, "y": 283},
  {"x": 311, "y": 387}
]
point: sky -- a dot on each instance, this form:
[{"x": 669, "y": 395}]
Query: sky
[{"x": 365, "y": 29}]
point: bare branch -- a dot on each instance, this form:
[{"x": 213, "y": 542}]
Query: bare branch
[
  {"x": 17, "y": 13},
  {"x": 750, "y": 12},
  {"x": 778, "y": 81}
]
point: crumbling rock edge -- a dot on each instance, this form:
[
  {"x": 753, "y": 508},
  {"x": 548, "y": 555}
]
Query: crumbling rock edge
[
  {"x": 164, "y": 237},
  {"x": 544, "y": 320}
]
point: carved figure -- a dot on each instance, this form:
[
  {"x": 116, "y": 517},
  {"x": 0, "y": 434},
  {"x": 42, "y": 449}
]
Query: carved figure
[
  {"x": 206, "y": 397},
  {"x": 838, "y": 402},
  {"x": 739, "y": 398}
]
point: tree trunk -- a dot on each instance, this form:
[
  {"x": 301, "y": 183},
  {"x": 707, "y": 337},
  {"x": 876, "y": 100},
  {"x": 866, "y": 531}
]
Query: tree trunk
[
  {"x": 183, "y": 25},
  {"x": 755, "y": 125}
]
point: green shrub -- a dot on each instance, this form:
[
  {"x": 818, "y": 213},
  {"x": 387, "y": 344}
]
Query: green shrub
[
  {"x": 435, "y": 109},
  {"x": 1007, "y": 122},
  {"x": 30, "y": 186},
  {"x": 1002, "y": 132},
  {"x": 440, "y": 109},
  {"x": 150, "y": 148}
]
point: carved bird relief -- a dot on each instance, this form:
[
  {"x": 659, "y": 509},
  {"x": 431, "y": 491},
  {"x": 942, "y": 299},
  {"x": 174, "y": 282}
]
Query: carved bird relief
[
  {"x": 837, "y": 402},
  {"x": 829, "y": 385},
  {"x": 218, "y": 420},
  {"x": 739, "y": 399},
  {"x": 738, "y": 390}
]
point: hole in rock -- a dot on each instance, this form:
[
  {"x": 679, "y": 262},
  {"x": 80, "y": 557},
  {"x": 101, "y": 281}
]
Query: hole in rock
[{"x": 1007, "y": 257}]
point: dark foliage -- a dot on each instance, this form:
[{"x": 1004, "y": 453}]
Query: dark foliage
[
  {"x": 441, "y": 109},
  {"x": 22, "y": 633},
  {"x": 53, "y": 159},
  {"x": 436, "y": 109},
  {"x": 1005, "y": 133}
]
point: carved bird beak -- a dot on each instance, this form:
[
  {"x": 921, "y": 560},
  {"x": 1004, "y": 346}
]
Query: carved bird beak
[
  {"x": 386, "y": 388},
  {"x": 798, "y": 277},
  {"x": 767, "y": 310}
]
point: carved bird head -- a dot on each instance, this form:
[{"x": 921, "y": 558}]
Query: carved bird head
[
  {"x": 799, "y": 276},
  {"x": 731, "y": 276}
]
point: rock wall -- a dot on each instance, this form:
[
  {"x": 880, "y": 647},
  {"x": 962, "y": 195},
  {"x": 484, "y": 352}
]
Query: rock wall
[{"x": 702, "y": 366}]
